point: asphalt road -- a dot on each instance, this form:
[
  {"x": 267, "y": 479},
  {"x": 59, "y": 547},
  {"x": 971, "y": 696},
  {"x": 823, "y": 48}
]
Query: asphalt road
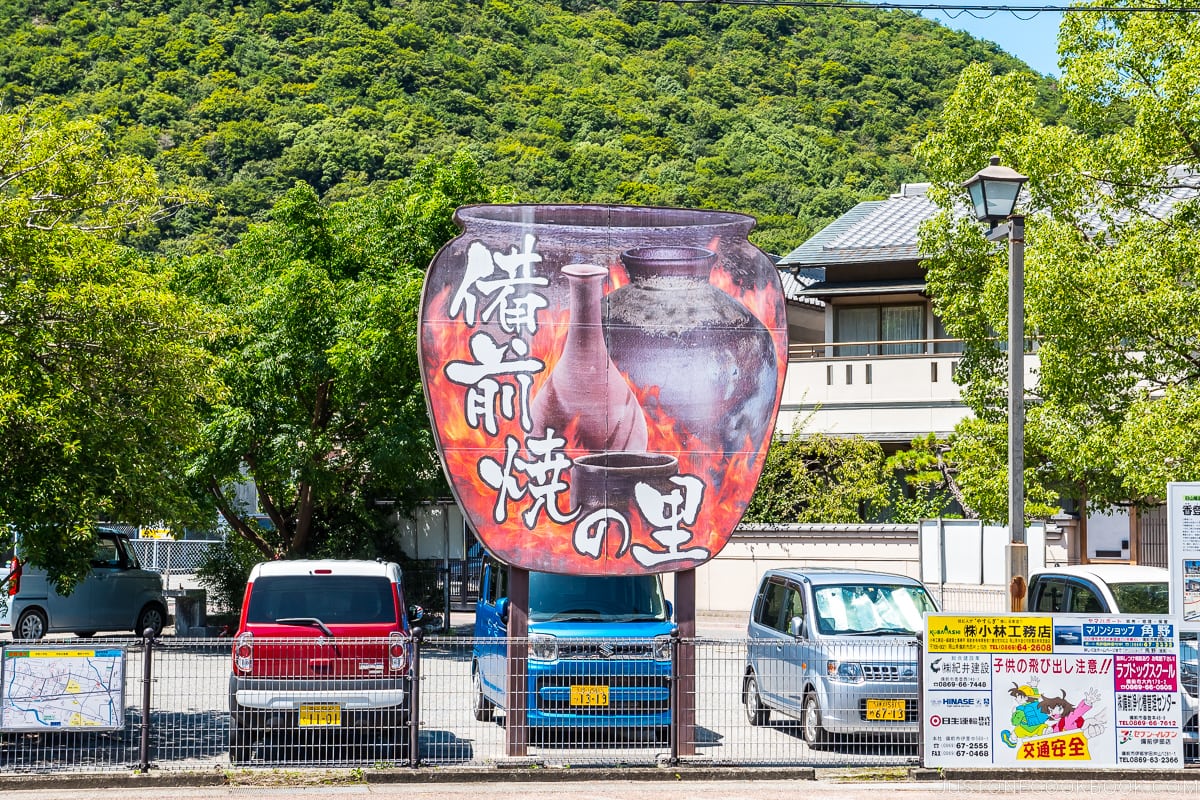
[{"x": 725, "y": 789}]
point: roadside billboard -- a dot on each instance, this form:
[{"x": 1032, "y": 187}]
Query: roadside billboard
[
  {"x": 1024, "y": 690},
  {"x": 603, "y": 381}
]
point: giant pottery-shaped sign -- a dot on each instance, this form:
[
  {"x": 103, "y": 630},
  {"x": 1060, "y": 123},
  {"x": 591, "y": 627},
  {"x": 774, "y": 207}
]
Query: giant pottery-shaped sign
[{"x": 603, "y": 381}]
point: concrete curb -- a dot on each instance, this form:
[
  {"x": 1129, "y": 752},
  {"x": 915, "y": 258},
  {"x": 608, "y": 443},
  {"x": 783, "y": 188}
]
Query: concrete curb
[
  {"x": 1073, "y": 775},
  {"x": 538, "y": 773}
]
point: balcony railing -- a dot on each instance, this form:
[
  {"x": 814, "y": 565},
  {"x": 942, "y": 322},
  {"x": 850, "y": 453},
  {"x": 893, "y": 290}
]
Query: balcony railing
[{"x": 807, "y": 351}]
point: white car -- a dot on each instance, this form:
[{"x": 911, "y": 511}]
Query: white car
[{"x": 1100, "y": 589}]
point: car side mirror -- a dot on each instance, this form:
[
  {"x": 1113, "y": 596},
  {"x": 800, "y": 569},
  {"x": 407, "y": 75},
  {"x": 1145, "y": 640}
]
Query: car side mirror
[
  {"x": 797, "y": 628},
  {"x": 670, "y": 610},
  {"x": 502, "y": 609}
]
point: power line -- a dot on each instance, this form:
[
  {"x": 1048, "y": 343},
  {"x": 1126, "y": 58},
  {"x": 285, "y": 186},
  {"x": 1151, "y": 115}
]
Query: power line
[{"x": 946, "y": 8}]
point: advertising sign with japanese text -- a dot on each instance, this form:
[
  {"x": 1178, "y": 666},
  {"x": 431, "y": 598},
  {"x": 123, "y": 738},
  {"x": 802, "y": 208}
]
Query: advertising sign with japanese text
[
  {"x": 603, "y": 381},
  {"x": 1094, "y": 691}
]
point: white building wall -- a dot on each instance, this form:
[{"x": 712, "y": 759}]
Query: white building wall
[{"x": 892, "y": 398}]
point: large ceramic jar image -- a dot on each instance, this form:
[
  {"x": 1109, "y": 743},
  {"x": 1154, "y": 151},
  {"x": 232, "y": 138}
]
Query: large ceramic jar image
[
  {"x": 602, "y": 381},
  {"x": 711, "y": 362}
]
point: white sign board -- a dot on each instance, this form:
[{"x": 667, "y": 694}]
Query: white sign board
[
  {"x": 1028, "y": 690},
  {"x": 1183, "y": 535}
]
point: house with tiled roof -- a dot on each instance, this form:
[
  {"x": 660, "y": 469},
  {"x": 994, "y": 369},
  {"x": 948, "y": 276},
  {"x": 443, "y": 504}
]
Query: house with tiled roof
[{"x": 883, "y": 365}]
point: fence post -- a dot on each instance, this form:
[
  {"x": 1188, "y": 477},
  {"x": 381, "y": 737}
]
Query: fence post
[
  {"x": 676, "y": 722},
  {"x": 414, "y": 701},
  {"x": 147, "y": 675},
  {"x": 921, "y": 699}
]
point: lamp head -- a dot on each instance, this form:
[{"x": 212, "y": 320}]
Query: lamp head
[{"x": 994, "y": 191}]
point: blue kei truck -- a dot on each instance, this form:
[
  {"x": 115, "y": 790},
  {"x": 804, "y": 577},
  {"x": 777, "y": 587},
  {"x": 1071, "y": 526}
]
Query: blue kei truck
[{"x": 599, "y": 653}]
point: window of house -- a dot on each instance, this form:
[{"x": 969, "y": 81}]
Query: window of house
[
  {"x": 880, "y": 330},
  {"x": 940, "y": 333}
]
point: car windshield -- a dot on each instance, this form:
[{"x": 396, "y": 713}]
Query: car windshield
[
  {"x": 865, "y": 609},
  {"x": 1141, "y": 598},
  {"x": 333, "y": 599},
  {"x": 609, "y": 598}
]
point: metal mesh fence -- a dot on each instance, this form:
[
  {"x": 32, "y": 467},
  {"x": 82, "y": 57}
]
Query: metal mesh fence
[
  {"x": 594, "y": 702},
  {"x": 172, "y": 555},
  {"x": 970, "y": 598},
  {"x": 597, "y": 703}
]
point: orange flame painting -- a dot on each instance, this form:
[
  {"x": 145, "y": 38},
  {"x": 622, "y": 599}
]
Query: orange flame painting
[{"x": 603, "y": 381}]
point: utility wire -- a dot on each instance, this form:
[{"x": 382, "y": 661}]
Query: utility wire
[{"x": 945, "y": 7}]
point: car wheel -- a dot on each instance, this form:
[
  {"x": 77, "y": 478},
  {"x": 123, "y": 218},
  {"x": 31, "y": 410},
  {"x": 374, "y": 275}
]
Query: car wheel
[
  {"x": 756, "y": 712},
  {"x": 152, "y": 618},
  {"x": 483, "y": 708},
  {"x": 810, "y": 727},
  {"x": 31, "y": 624}
]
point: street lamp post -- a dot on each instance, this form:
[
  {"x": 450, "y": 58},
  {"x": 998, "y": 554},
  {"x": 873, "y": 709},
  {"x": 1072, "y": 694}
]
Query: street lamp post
[{"x": 993, "y": 191}]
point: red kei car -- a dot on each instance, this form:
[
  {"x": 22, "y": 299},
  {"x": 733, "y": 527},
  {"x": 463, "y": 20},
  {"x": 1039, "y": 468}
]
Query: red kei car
[{"x": 322, "y": 656}]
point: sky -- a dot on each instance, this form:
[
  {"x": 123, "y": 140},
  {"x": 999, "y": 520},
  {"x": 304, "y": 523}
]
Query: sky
[{"x": 1031, "y": 37}]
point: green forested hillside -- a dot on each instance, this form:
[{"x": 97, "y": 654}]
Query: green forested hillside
[{"x": 791, "y": 115}]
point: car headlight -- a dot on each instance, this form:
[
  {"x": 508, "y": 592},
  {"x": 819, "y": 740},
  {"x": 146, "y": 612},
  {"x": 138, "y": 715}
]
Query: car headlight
[
  {"x": 662, "y": 648},
  {"x": 844, "y": 671},
  {"x": 543, "y": 647}
]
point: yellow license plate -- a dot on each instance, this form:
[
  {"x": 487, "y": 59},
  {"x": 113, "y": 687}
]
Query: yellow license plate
[
  {"x": 890, "y": 710},
  {"x": 320, "y": 715},
  {"x": 589, "y": 695}
]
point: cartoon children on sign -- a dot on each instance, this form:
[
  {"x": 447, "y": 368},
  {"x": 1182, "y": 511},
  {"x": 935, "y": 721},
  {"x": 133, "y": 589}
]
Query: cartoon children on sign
[
  {"x": 1042, "y": 715},
  {"x": 1028, "y": 719}
]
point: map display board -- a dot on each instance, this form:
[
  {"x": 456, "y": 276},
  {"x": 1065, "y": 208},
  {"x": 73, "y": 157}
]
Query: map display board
[
  {"x": 1057, "y": 690},
  {"x": 48, "y": 688}
]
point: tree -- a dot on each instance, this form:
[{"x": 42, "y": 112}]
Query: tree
[
  {"x": 819, "y": 478},
  {"x": 100, "y": 362},
  {"x": 326, "y": 412},
  {"x": 925, "y": 473},
  {"x": 1112, "y": 262}
]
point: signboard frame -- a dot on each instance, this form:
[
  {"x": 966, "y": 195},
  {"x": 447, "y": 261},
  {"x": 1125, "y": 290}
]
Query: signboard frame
[
  {"x": 71, "y": 653},
  {"x": 1051, "y": 691}
]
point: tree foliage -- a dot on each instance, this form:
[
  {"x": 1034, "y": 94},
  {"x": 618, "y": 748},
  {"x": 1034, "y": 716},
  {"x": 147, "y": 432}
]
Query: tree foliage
[
  {"x": 100, "y": 362},
  {"x": 819, "y": 478},
  {"x": 782, "y": 113},
  {"x": 325, "y": 410},
  {"x": 1110, "y": 268}
]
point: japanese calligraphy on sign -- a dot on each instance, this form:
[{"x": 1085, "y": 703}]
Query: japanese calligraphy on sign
[
  {"x": 602, "y": 381},
  {"x": 1104, "y": 691}
]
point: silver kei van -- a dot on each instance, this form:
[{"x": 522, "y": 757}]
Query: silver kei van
[
  {"x": 117, "y": 595},
  {"x": 836, "y": 650}
]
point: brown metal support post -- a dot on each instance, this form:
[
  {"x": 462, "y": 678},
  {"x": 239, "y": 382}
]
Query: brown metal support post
[
  {"x": 516, "y": 731},
  {"x": 684, "y": 717}
]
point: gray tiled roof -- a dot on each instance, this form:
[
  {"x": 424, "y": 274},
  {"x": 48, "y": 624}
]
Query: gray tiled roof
[
  {"x": 876, "y": 230},
  {"x": 795, "y": 282}
]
